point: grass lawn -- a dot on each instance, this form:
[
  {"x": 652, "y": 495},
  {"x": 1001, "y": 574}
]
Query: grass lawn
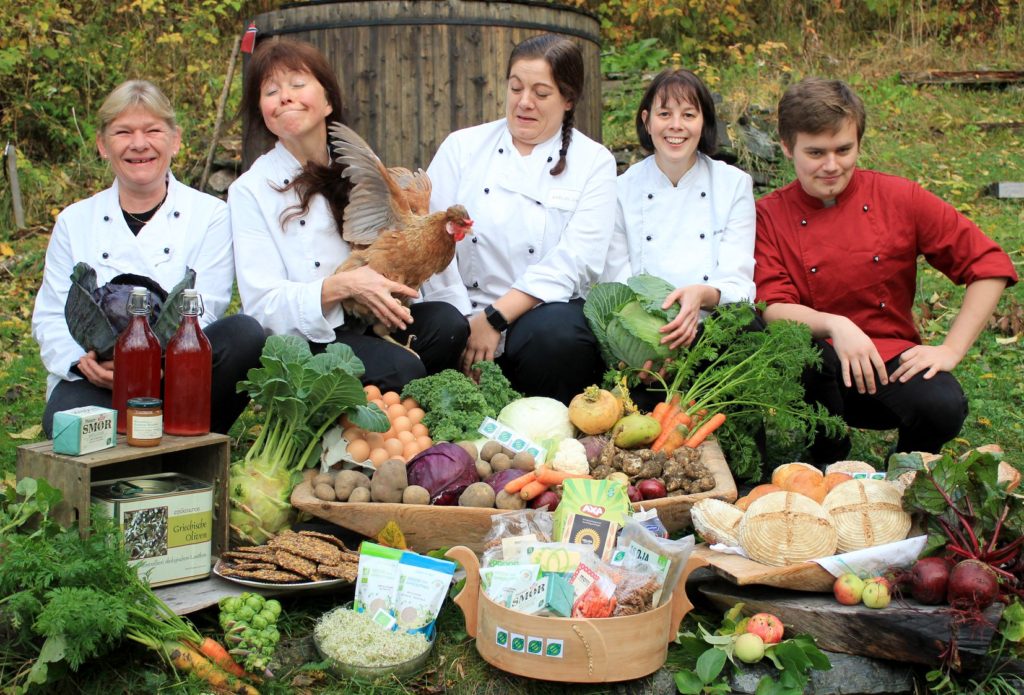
[{"x": 933, "y": 135}]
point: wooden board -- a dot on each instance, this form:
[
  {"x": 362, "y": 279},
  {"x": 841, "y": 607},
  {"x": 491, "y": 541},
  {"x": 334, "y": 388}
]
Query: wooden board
[
  {"x": 427, "y": 528},
  {"x": 806, "y": 576},
  {"x": 903, "y": 631}
]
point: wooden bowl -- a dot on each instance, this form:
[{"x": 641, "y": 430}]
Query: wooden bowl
[{"x": 428, "y": 527}]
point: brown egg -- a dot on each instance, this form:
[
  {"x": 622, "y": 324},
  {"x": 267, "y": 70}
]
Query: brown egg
[
  {"x": 424, "y": 442},
  {"x": 406, "y": 437},
  {"x": 359, "y": 450},
  {"x": 420, "y": 430},
  {"x": 410, "y": 450},
  {"x": 394, "y": 447},
  {"x": 415, "y": 414},
  {"x": 379, "y": 456},
  {"x": 396, "y": 410},
  {"x": 391, "y": 398},
  {"x": 402, "y": 423}
]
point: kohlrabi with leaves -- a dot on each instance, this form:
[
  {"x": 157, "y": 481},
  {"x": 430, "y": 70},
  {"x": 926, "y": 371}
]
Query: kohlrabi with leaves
[{"x": 301, "y": 395}]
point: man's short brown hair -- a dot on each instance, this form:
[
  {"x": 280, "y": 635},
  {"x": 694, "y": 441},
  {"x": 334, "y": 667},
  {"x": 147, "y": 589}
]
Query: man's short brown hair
[{"x": 815, "y": 105}]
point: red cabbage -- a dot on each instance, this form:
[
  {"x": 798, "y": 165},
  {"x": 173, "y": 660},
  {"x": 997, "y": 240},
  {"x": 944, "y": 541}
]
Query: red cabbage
[
  {"x": 499, "y": 480},
  {"x": 445, "y": 470}
]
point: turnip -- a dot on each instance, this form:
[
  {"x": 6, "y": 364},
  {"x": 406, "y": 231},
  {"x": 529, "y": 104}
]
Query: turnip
[
  {"x": 929, "y": 578},
  {"x": 972, "y": 585}
]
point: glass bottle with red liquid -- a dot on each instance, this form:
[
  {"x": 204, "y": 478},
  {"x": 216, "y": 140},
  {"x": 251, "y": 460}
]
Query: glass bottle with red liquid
[
  {"x": 136, "y": 358},
  {"x": 189, "y": 370}
]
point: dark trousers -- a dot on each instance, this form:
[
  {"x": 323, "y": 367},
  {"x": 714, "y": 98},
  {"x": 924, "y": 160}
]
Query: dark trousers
[
  {"x": 927, "y": 413},
  {"x": 438, "y": 331},
  {"x": 236, "y": 342},
  {"x": 550, "y": 351}
]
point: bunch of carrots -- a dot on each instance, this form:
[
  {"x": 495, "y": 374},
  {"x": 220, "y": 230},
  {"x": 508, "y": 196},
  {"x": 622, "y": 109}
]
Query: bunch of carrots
[
  {"x": 179, "y": 643},
  {"x": 681, "y": 426},
  {"x": 531, "y": 485}
]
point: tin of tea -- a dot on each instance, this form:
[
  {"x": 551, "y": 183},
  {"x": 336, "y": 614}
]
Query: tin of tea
[{"x": 167, "y": 522}]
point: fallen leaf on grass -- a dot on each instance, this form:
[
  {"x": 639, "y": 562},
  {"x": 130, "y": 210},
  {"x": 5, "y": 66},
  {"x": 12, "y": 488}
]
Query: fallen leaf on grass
[
  {"x": 6, "y": 250},
  {"x": 32, "y": 432}
]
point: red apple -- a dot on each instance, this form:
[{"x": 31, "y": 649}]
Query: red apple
[
  {"x": 847, "y": 589},
  {"x": 548, "y": 498},
  {"x": 651, "y": 489},
  {"x": 766, "y": 626}
]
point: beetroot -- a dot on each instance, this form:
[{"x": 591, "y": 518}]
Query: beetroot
[
  {"x": 928, "y": 580},
  {"x": 548, "y": 498},
  {"x": 972, "y": 585}
]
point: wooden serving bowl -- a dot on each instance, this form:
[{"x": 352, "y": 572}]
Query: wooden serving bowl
[{"x": 429, "y": 527}]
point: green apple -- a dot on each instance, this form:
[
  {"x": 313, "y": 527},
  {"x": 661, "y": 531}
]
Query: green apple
[{"x": 848, "y": 588}]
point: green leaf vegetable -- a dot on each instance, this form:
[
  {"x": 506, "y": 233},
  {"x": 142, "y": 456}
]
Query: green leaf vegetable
[
  {"x": 69, "y": 599},
  {"x": 301, "y": 395},
  {"x": 28, "y": 498},
  {"x": 250, "y": 629},
  {"x": 753, "y": 376},
  {"x": 454, "y": 405}
]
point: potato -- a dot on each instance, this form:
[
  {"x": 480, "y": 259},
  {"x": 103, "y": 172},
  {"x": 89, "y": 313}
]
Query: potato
[
  {"x": 620, "y": 477},
  {"x": 360, "y": 494},
  {"x": 489, "y": 450},
  {"x": 524, "y": 461},
  {"x": 347, "y": 481},
  {"x": 506, "y": 501},
  {"x": 323, "y": 491},
  {"x": 389, "y": 482},
  {"x": 416, "y": 494},
  {"x": 323, "y": 479},
  {"x": 470, "y": 448},
  {"x": 483, "y": 469},
  {"x": 477, "y": 495},
  {"x": 500, "y": 462}
]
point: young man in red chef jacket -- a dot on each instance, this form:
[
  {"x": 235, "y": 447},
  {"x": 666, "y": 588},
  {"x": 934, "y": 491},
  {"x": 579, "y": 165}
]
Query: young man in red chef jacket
[{"x": 837, "y": 250}]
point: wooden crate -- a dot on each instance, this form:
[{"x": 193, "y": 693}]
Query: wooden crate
[
  {"x": 429, "y": 527},
  {"x": 205, "y": 457}
]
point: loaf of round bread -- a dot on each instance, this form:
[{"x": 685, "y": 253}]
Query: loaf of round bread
[
  {"x": 785, "y": 528},
  {"x": 866, "y": 513},
  {"x": 717, "y": 521}
]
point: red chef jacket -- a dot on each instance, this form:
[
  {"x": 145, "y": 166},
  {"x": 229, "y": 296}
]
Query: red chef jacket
[{"x": 858, "y": 258}]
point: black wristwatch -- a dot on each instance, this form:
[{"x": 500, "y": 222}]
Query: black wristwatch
[{"x": 495, "y": 318}]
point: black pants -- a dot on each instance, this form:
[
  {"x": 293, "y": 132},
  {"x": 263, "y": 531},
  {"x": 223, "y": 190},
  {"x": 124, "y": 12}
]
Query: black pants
[
  {"x": 438, "y": 331},
  {"x": 550, "y": 351},
  {"x": 236, "y": 342},
  {"x": 928, "y": 413}
]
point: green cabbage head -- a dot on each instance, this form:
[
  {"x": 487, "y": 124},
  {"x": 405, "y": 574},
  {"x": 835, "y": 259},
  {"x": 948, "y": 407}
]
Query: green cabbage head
[{"x": 626, "y": 319}]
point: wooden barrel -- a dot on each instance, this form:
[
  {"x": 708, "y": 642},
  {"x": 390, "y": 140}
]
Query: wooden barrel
[{"x": 413, "y": 71}]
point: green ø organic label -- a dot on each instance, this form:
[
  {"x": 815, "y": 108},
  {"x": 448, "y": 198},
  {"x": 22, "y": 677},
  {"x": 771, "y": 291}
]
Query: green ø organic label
[
  {"x": 534, "y": 645},
  {"x": 501, "y": 638},
  {"x": 554, "y": 648},
  {"x": 518, "y": 643}
]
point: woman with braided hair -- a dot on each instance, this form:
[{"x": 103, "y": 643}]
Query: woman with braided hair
[{"x": 542, "y": 197}]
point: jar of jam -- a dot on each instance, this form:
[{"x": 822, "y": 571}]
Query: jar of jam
[{"x": 145, "y": 424}]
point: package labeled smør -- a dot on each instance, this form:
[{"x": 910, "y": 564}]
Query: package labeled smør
[{"x": 84, "y": 430}]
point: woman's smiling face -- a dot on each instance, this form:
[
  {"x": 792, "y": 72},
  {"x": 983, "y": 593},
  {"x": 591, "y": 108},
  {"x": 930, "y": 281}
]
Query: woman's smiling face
[
  {"x": 675, "y": 126},
  {"x": 139, "y": 146},
  {"x": 294, "y": 105}
]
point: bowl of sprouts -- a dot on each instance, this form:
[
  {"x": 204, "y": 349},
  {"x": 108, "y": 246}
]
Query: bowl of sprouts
[{"x": 364, "y": 646}]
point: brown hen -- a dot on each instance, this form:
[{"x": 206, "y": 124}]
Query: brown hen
[{"x": 386, "y": 223}]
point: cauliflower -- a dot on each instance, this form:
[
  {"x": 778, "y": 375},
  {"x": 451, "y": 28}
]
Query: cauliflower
[{"x": 570, "y": 457}]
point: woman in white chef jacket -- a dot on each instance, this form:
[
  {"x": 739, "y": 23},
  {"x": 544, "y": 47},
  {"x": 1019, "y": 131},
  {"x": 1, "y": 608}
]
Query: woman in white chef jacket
[
  {"x": 542, "y": 197},
  {"x": 146, "y": 223},
  {"x": 286, "y": 213},
  {"x": 681, "y": 215}
]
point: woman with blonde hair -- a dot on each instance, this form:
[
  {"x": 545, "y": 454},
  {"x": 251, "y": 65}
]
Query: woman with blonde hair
[{"x": 147, "y": 223}]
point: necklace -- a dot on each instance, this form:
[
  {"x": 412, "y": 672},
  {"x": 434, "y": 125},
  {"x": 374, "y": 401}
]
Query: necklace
[{"x": 144, "y": 217}]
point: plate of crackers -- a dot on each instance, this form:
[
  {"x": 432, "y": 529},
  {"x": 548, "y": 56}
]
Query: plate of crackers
[{"x": 291, "y": 560}]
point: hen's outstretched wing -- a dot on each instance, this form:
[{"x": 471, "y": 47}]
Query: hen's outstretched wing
[{"x": 377, "y": 201}]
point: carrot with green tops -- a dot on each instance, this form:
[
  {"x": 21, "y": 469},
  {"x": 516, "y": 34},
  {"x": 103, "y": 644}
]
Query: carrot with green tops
[
  {"x": 184, "y": 658},
  {"x": 670, "y": 429},
  {"x": 551, "y": 477},
  {"x": 516, "y": 484},
  {"x": 215, "y": 652},
  {"x": 702, "y": 432},
  {"x": 533, "y": 489},
  {"x": 660, "y": 411}
]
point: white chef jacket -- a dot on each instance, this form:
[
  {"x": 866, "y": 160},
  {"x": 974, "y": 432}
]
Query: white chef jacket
[
  {"x": 190, "y": 230},
  {"x": 699, "y": 232},
  {"x": 544, "y": 235},
  {"x": 281, "y": 269}
]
